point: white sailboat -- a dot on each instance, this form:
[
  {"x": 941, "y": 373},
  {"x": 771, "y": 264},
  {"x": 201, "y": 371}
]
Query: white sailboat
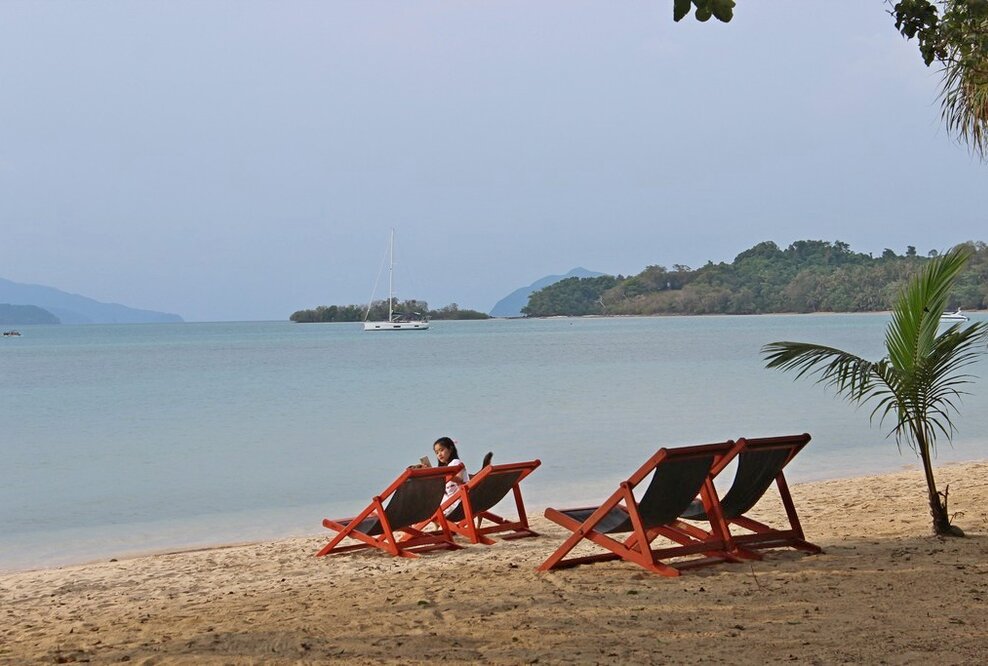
[{"x": 396, "y": 321}]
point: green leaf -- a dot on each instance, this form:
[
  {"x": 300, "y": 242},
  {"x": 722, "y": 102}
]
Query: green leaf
[
  {"x": 723, "y": 10},
  {"x": 680, "y": 8}
]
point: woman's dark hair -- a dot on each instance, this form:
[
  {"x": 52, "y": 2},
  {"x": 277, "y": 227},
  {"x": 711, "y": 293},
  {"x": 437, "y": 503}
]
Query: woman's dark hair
[{"x": 448, "y": 443}]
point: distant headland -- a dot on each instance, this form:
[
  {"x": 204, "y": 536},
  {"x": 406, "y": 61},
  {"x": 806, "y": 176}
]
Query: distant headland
[
  {"x": 25, "y": 315},
  {"x": 68, "y": 308}
]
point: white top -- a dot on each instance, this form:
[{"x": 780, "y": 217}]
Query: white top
[{"x": 451, "y": 485}]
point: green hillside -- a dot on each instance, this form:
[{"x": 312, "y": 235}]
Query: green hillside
[{"x": 807, "y": 276}]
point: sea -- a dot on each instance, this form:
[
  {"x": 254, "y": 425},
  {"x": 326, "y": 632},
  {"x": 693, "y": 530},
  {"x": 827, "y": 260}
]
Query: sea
[{"x": 118, "y": 440}]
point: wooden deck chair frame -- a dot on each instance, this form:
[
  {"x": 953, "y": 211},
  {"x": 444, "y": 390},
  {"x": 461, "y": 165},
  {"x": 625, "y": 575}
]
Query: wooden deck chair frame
[
  {"x": 761, "y": 461},
  {"x": 467, "y": 510},
  {"x": 411, "y": 498},
  {"x": 678, "y": 475}
]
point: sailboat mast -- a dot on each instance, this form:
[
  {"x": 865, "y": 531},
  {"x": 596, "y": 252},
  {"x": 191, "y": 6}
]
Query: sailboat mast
[
  {"x": 397, "y": 321},
  {"x": 391, "y": 271}
]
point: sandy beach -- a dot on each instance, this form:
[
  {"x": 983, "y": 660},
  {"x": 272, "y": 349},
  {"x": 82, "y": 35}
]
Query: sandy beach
[{"x": 884, "y": 591}]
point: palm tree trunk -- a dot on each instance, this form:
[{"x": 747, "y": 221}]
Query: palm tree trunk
[{"x": 941, "y": 521}]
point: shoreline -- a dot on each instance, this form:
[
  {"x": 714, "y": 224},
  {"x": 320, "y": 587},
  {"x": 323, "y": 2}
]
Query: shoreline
[
  {"x": 533, "y": 511},
  {"x": 815, "y": 313},
  {"x": 274, "y": 602}
]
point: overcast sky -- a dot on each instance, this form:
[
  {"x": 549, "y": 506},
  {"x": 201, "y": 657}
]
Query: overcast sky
[{"x": 243, "y": 160}]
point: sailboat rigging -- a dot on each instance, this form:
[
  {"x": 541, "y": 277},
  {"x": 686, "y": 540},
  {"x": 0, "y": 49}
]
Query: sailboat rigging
[{"x": 397, "y": 321}]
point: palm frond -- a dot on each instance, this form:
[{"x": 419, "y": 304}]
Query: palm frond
[
  {"x": 964, "y": 102},
  {"x": 920, "y": 384},
  {"x": 852, "y": 377},
  {"x": 930, "y": 392},
  {"x": 962, "y": 32},
  {"x": 916, "y": 316}
]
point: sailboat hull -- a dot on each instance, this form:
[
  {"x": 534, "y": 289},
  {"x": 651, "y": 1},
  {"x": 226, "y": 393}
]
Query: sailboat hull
[{"x": 396, "y": 325}]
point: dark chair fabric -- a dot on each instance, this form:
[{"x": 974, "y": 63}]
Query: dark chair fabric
[
  {"x": 761, "y": 463},
  {"x": 676, "y": 476},
  {"x": 409, "y": 504},
  {"x": 470, "y": 514},
  {"x": 390, "y": 521}
]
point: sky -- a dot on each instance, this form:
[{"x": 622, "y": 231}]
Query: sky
[{"x": 241, "y": 160}]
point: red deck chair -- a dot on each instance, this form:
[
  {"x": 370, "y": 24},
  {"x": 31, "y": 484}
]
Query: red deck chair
[
  {"x": 760, "y": 462},
  {"x": 412, "y": 498},
  {"x": 677, "y": 476},
  {"x": 472, "y": 503}
]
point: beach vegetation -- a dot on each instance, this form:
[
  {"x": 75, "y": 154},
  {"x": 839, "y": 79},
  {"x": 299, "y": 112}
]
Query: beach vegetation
[
  {"x": 920, "y": 382},
  {"x": 951, "y": 33}
]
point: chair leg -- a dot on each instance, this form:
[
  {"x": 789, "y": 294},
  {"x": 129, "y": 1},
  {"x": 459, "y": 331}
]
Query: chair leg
[{"x": 554, "y": 560}]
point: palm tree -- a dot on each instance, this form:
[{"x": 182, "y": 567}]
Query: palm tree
[
  {"x": 963, "y": 53},
  {"x": 920, "y": 380}
]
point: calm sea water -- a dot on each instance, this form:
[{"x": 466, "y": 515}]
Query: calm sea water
[{"x": 132, "y": 438}]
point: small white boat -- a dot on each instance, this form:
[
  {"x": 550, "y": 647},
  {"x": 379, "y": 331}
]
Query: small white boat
[
  {"x": 950, "y": 317},
  {"x": 397, "y": 321}
]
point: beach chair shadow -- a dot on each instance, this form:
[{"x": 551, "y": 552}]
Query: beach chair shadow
[
  {"x": 413, "y": 498},
  {"x": 761, "y": 461},
  {"x": 470, "y": 507},
  {"x": 677, "y": 476}
]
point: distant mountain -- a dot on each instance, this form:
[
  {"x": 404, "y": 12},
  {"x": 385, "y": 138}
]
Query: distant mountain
[
  {"x": 75, "y": 309},
  {"x": 511, "y": 305},
  {"x": 25, "y": 314}
]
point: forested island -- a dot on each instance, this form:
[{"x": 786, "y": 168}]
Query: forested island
[
  {"x": 379, "y": 312},
  {"x": 807, "y": 276}
]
